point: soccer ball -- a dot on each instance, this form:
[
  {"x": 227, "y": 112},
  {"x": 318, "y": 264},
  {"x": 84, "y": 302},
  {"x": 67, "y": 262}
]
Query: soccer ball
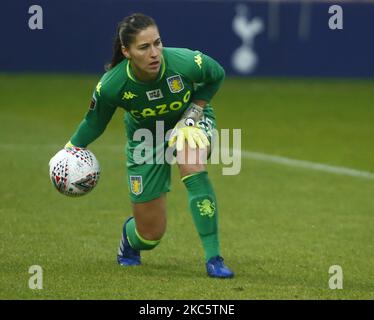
[{"x": 74, "y": 171}]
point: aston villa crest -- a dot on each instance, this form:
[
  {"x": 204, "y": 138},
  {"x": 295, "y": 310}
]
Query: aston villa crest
[
  {"x": 136, "y": 185},
  {"x": 175, "y": 83}
]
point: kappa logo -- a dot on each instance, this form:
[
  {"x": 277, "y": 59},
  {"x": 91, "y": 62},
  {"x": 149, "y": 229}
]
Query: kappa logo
[
  {"x": 136, "y": 185},
  {"x": 98, "y": 88},
  {"x": 154, "y": 94},
  {"x": 175, "y": 83},
  {"x": 198, "y": 60},
  {"x": 128, "y": 95}
]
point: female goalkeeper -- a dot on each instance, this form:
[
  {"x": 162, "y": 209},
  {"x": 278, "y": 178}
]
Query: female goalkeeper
[{"x": 172, "y": 86}]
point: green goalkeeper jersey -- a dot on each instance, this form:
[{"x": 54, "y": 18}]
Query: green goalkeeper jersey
[{"x": 184, "y": 75}]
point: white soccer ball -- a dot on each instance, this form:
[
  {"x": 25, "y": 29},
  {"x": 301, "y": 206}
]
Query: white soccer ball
[{"x": 74, "y": 171}]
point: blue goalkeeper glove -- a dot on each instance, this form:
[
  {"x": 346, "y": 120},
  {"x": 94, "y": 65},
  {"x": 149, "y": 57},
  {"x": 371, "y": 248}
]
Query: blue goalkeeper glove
[{"x": 186, "y": 129}]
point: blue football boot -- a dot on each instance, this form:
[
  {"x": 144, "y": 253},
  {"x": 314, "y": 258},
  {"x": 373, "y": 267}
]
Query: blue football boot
[
  {"x": 127, "y": 256},
  {"x": 217, "y": 269}
]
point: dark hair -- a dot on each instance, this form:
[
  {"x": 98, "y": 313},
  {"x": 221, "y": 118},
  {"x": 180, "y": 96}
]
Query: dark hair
[{"x": 127, "y": 30}]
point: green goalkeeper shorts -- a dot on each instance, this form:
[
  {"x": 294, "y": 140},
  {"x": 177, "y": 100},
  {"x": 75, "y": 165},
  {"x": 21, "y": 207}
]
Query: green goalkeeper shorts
[{"x": 147, "y": 182}]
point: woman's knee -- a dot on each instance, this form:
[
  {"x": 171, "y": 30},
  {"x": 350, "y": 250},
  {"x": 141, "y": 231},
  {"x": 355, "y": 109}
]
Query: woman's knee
[
  {"x": 187, "y": 169},
  {"x": 151, "y": 232},
  {"x": 191, "y": 161},
  {"x": 150, "y": 218}
]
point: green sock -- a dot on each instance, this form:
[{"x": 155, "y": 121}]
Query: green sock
[
  {"x": 135, "y": 239},
  {"x": 203, "y": 205}
]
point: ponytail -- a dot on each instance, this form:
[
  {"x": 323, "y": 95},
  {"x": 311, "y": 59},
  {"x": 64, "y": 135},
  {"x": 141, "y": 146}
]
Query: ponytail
[{"x": 117, "y": 54}]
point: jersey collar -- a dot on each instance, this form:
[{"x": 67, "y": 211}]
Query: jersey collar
[{"x": 160, "y": 74}]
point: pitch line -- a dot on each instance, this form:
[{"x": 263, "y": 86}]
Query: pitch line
[{"x": 306, "y": 164}]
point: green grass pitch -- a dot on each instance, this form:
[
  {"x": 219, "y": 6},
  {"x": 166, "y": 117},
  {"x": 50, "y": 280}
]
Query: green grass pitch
[{"x": 281, "y": 227}]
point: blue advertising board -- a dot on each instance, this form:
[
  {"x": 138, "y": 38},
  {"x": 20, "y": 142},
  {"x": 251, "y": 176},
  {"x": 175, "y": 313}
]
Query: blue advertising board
[{"x": 249, "y": 38}]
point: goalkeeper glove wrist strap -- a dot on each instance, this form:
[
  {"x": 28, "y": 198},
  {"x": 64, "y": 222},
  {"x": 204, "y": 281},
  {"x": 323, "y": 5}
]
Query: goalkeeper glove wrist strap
[{"x": 194, "y": 112}]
